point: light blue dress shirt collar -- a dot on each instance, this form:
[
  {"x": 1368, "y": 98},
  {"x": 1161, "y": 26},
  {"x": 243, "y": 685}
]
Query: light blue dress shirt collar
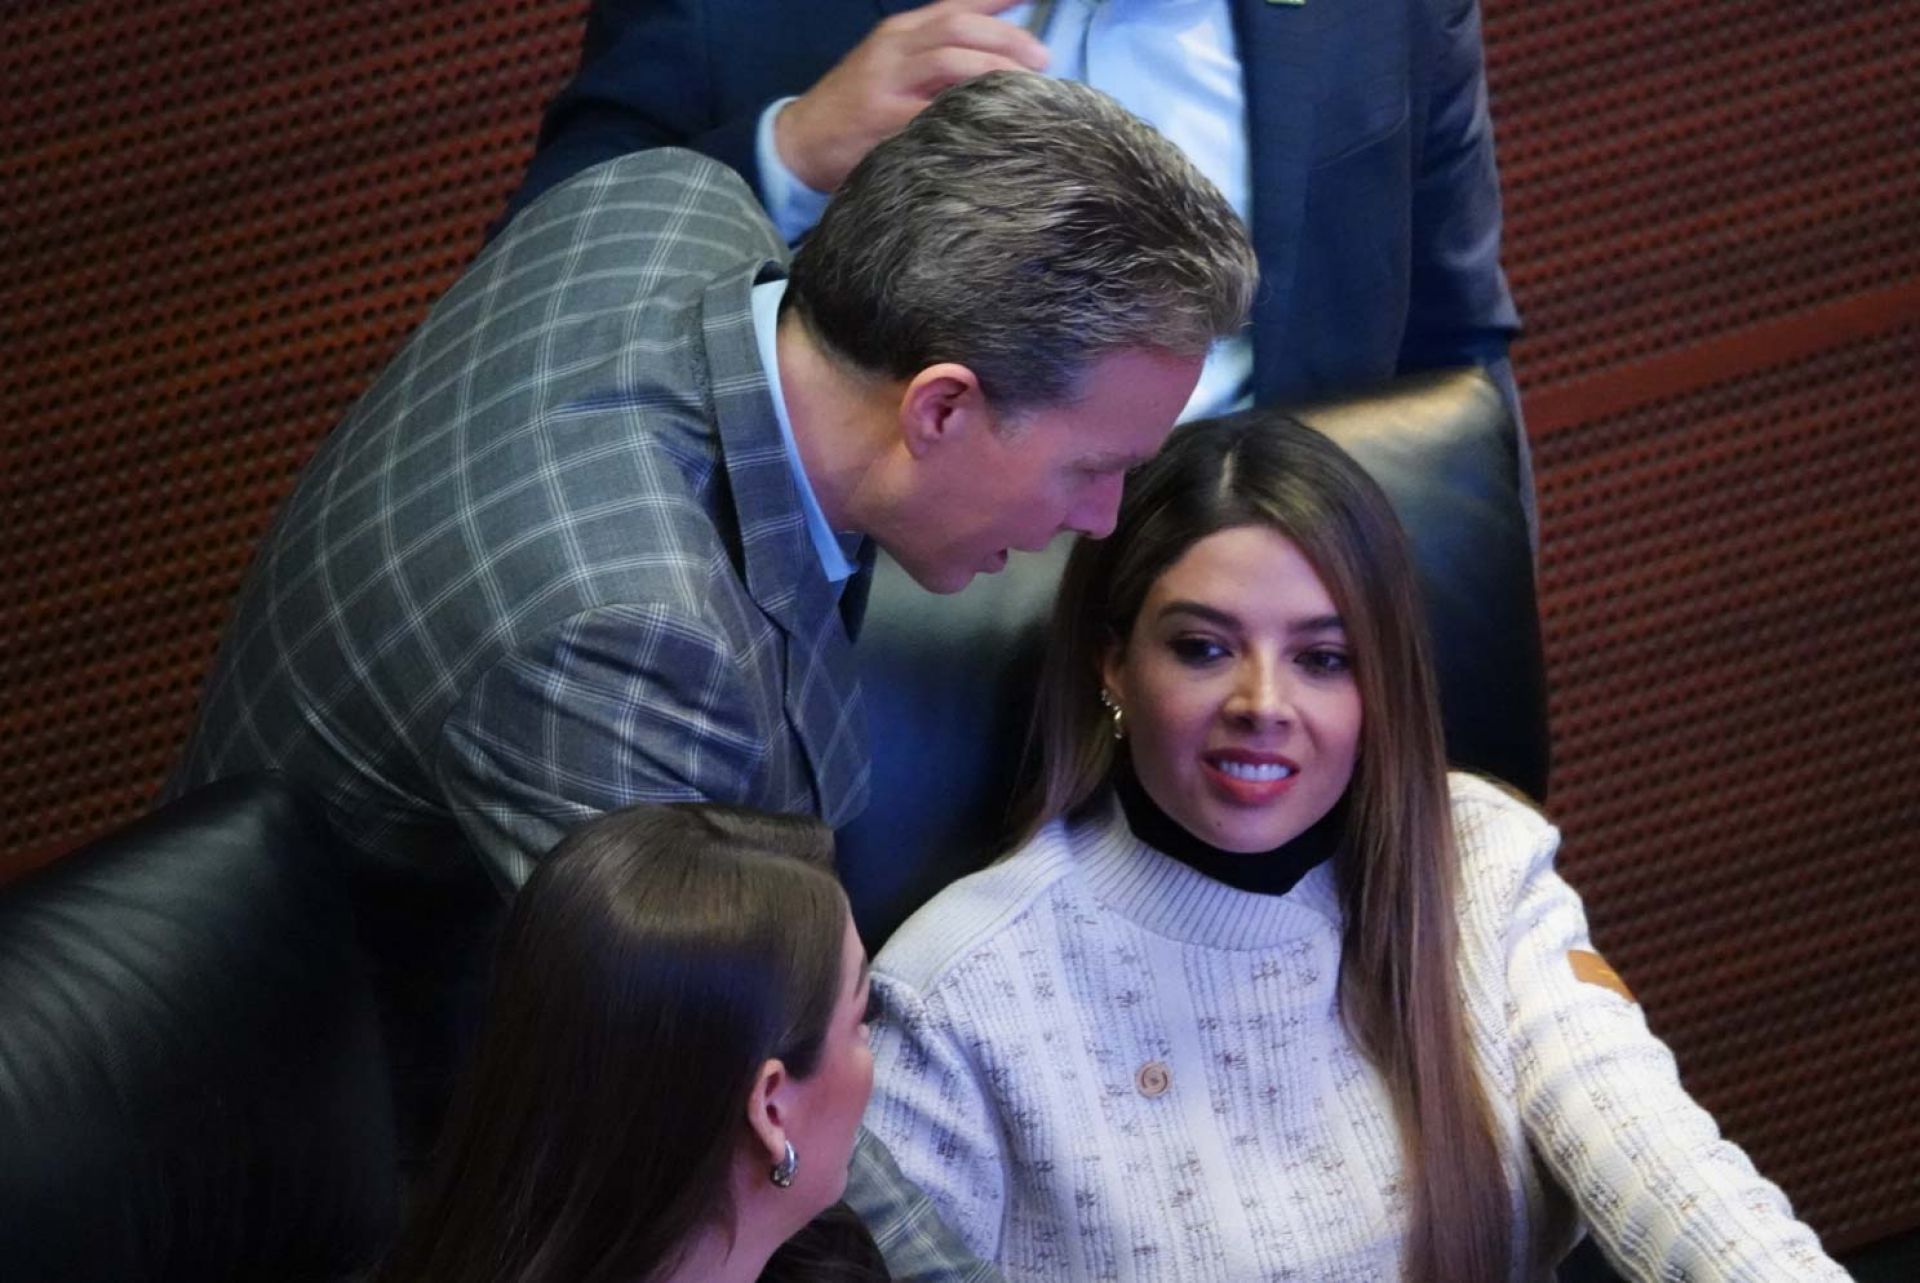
[{"x": 766, "y": 321}]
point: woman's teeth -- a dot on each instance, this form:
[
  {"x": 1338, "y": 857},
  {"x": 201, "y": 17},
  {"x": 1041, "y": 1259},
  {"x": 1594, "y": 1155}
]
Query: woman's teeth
[{"x": 1259, "y": 773}]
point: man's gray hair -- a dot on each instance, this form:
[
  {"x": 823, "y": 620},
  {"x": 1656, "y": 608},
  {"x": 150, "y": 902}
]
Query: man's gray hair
[{"x": 1022, "y": 227}]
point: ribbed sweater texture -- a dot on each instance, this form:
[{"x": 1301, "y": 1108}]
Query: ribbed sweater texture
[{"x": 1102, "y": 1065}]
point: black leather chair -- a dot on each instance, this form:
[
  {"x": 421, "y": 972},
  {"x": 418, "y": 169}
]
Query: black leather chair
[
  {"x": 949, "y": 680},
  {"x": 192, "y": 1083}
]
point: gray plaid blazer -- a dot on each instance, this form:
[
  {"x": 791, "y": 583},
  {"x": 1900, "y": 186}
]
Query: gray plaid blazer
[{"x": 553, "y": 562}]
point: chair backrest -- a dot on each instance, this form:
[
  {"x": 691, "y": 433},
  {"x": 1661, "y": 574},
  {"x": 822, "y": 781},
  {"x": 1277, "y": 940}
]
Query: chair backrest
[
  {"x": 192, "y": 1083},
  {"x": 949, "y": 680}
]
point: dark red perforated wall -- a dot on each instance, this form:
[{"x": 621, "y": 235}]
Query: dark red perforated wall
[
  {"x": 1714, "y": 232},
  {"x": 1733, "y": 614},
  {"x": 217, "y": 220},
  {"x": 221, "y": 219},
  {"x": 1676, "y": 171}
]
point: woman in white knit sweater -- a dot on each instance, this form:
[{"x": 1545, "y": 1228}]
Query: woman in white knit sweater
[{"x": 1267, "y": 994}]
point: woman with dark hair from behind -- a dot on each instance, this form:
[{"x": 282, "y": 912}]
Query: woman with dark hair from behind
[
  {"x": 1266, "y": 992},
  {"x": 671, "y": 1069}
]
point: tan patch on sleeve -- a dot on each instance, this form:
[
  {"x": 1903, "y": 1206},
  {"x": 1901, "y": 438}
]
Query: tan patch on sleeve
[{"x": 1591, "y": 968}]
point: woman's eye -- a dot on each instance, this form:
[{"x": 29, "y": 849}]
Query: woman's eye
[
  {"x": 1326, "y": 662},
  {"x": 1196, "y": 650}
]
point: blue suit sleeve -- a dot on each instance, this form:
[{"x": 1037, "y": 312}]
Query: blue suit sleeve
[
  {"x": 645, "y": 80},
  {"x": 1461, "y": 311}
]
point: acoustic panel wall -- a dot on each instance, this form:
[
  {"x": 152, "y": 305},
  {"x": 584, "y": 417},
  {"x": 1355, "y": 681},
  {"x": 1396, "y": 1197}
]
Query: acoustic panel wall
[
  {"x": 1730, "y": 612},
  {"x": 1673, "y": 172},
  {"x": 221, "y": 219},
  {"x": 1714, "y": 235}
]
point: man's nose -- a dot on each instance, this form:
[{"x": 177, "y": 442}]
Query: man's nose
[{"x": 1099, "y": 508}]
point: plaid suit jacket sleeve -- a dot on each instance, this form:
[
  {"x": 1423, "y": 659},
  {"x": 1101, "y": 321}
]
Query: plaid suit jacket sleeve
[
  {"x": 614, "y": 706},
  {"x": 918, "y": 1245}
]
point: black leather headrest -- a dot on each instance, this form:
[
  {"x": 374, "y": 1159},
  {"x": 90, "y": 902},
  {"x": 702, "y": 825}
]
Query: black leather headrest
[
  {"x": 949, "y": 680},
  {"x": 1442, "y": 447},
  {"x": 192, "y": 1085}
]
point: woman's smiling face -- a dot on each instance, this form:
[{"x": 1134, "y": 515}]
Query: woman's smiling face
[{"x": 1241, "y": 709}]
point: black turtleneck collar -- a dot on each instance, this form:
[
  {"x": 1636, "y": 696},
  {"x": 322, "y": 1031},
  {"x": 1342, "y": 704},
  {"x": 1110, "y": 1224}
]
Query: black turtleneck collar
[{"x": 1274, "y": 872}]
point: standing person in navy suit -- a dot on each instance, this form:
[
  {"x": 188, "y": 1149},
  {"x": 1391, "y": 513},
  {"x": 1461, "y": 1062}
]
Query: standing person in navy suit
[{"x": 1352, "y": 137}]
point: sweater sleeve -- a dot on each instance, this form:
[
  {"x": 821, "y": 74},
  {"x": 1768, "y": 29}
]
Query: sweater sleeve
[
  {"x": 1601, "y": 1101},
  {"x": 932, "y": 1110}
]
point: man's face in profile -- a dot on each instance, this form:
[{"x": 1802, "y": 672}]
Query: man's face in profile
[{"x": 1054, "y": 469}]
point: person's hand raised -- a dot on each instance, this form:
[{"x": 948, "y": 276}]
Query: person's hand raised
[{"x": 888, "y": 77}]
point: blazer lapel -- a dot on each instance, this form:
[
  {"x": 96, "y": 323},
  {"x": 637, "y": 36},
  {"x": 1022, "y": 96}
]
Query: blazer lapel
[
  {"x": 1277, "y": 47},
  {"x": 821, "y": 688},
  {"x": 825, "y": 707}
]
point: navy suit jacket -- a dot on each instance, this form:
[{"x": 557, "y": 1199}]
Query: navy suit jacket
[{"x": 1376, "y": 208}]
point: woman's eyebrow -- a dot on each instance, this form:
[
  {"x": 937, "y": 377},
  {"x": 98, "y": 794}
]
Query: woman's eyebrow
[
  {"x": 1227, "y": 619},
  {"x": 1212, "y": 614}
]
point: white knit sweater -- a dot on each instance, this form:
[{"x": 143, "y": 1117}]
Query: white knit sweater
[{"x": 1102, "y": 1065}]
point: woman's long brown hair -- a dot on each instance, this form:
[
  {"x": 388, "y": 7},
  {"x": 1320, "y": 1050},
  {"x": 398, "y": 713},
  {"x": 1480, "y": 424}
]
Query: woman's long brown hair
[
  {"x": 648, "y": 969},
  {"x": 1398, "y": 871}
]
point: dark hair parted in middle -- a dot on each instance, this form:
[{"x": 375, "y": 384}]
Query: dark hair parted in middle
[
  {"x": 1397, "y": 868},
  {"x": 1022, "y": 227},
  {"x": 656, "y": 959}
]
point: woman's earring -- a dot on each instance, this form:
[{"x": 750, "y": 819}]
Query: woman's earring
[
  {"x": 1119, "y": 715},
  {"x": 782, "y": 1172}
]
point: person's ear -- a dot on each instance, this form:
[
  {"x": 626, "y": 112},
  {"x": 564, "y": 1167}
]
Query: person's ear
[
  {"x": 765, "y": 1109},
  {"x": 942, "y": 403},
  {"x": 1113, "y": 662}
]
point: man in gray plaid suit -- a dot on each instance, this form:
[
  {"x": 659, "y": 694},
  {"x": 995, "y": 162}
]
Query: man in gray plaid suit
[{"x": 597, "y": 535}]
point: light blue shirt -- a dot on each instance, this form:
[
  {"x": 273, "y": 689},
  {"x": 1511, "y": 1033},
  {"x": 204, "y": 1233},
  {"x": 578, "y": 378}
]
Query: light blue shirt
[
  {"x": 1174, "y": 64},
  {"x": 766, "y": 321}
]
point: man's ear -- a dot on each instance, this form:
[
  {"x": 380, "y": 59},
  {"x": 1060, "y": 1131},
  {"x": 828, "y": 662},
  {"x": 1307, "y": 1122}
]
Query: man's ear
[
  {"x": 765, "y": 1104},
  {"x": 942, "y": 403}
]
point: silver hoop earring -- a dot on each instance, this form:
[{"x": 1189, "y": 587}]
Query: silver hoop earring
[
  {"x": 782, "y": 1172},
  {"x": 1119, "y": 714}
]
